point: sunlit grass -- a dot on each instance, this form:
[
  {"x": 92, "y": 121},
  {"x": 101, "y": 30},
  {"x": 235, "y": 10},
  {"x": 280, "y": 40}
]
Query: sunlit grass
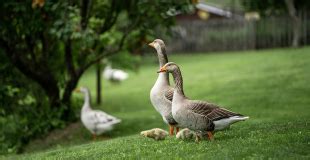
[{"x": 271, "y": 86}]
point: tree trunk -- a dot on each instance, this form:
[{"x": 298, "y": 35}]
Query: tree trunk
[
  {"x": 68, "y": 113},
  {"x": 296, "y": 22},
  {"x": 98, "y": 75},
  {"x": 52, "y": 91}
]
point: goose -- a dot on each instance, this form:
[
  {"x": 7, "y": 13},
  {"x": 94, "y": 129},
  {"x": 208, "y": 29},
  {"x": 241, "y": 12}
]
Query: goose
[
  {"x": 114, "y": 75},
  {"x": 200, "y": 116},
  {"x": 161, "y": 94},
  {"x": 96, "y": 121},
  {"x": 185, "y": 134},
  {"x": 155, "y": 133}
]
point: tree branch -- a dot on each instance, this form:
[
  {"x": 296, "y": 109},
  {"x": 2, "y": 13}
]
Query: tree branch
[
  {"x": 85, "y": 9},
  {"x": 109, "y": 53},
  {"x": 16, "y": 60},
  {"x": 110, "y": 18},
  {"x": 296, "y": 22},
  {"x": 291, "y": 8},
  {"x": 68, "y": 58},
  {"x": 44, "y": 44},
  {"x": 41, "y": 75},
  {"x": 30, "y": 46}
]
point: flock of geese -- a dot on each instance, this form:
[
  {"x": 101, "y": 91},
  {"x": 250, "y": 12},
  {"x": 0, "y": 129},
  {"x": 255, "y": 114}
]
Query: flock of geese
[{"x": 177, "y": 110}]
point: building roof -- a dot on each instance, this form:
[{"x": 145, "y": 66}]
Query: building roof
[
  {"x": 212, "y": 9},
  {"x": 203, "y": 7}
]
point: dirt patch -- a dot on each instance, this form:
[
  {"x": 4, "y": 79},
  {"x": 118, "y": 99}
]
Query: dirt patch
[{"x": 57, "y": 137}]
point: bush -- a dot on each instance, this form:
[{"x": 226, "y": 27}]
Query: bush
[{"x": 24, "y": 110}]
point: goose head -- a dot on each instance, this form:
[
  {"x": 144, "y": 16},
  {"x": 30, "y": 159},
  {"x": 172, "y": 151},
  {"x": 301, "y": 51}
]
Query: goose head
[
  {"x": 158, "y": 44},
  {"x": 81, "y": 90},
  {"x": 169, "y": 67}
]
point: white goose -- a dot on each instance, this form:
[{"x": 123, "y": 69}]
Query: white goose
[
  {"x": 200, "y": 116},
  {"x": 96, "y": 121},
  {"x": 161, "y": 94},
  {"x": 114, "y": 75}
]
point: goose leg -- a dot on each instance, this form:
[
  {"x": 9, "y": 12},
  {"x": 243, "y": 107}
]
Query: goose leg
[
  {"x": 210, "y": 136},
  {"x": 177, "y": 129},
  {"x": 94, "y": 137},
  {"x": 197, "y": 138},
  {"x": 171, "y": 130}
]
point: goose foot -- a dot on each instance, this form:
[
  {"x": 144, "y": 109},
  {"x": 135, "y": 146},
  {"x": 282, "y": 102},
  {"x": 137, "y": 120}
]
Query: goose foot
[
  {"x": 210, "y": 136},
  {"x": 171, "y": 130}
]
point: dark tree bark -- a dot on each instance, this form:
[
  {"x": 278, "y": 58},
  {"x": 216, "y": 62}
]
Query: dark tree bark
[
  {"x": 85, "y": 8},
  {"x": 296, "y": 22},
  {"x": 98, "y": 75},
  {"x": 71, "y": 84},
  {"x": 68, "y": 114}
]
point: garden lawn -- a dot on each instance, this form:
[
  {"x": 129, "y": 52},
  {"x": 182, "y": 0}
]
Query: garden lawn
[{"x": 272, "y": 87}]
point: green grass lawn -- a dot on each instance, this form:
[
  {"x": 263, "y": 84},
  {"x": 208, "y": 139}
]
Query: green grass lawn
[{"x": 270, "y": 86}]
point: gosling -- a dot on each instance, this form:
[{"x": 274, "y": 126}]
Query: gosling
[{"x": 156, "y": 133}]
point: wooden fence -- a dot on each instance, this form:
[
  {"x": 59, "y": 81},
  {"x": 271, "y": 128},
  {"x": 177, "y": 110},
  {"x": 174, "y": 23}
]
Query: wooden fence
[{"x": 235, "y": 34}]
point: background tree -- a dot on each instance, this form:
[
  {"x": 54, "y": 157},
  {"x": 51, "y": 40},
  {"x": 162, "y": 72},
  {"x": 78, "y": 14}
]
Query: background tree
[
  {"x": 52, "y": 43},
  {"x": 273, "y": 7}
]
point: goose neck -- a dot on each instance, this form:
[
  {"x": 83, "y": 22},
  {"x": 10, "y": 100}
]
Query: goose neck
[
  {"x": 163, "y": 59},
  {"x": 163, "y": 79},
  {"x": 162, "y": 56},
  {"x": 86, "y": 105},
  {"x": 178, "y": 80}
]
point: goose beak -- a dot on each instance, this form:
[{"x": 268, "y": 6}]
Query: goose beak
[
  {"x": 151, "y": 44},
  {"x": 162, "y": 69},
  {"x": 77, "y": 90}
]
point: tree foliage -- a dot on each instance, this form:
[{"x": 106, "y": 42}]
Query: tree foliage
[{"x": 50, "y": 44}]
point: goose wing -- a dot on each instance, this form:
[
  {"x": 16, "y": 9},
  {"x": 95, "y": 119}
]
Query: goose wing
[
  {"x": 98, "y": 117},
  {"x": 169, "y": 94},
  {"x": 211, "y": 111}
]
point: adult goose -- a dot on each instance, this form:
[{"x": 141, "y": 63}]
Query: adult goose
[
  {"x": 200, "y": 116},
  {"x": 161, "y": 94},
  {"x": 96, "y": 121},
  {"x": 114, "y": 75}
]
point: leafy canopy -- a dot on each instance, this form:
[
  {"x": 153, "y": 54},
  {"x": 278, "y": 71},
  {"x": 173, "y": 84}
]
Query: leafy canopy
[{"x": 50, "y": 44}]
